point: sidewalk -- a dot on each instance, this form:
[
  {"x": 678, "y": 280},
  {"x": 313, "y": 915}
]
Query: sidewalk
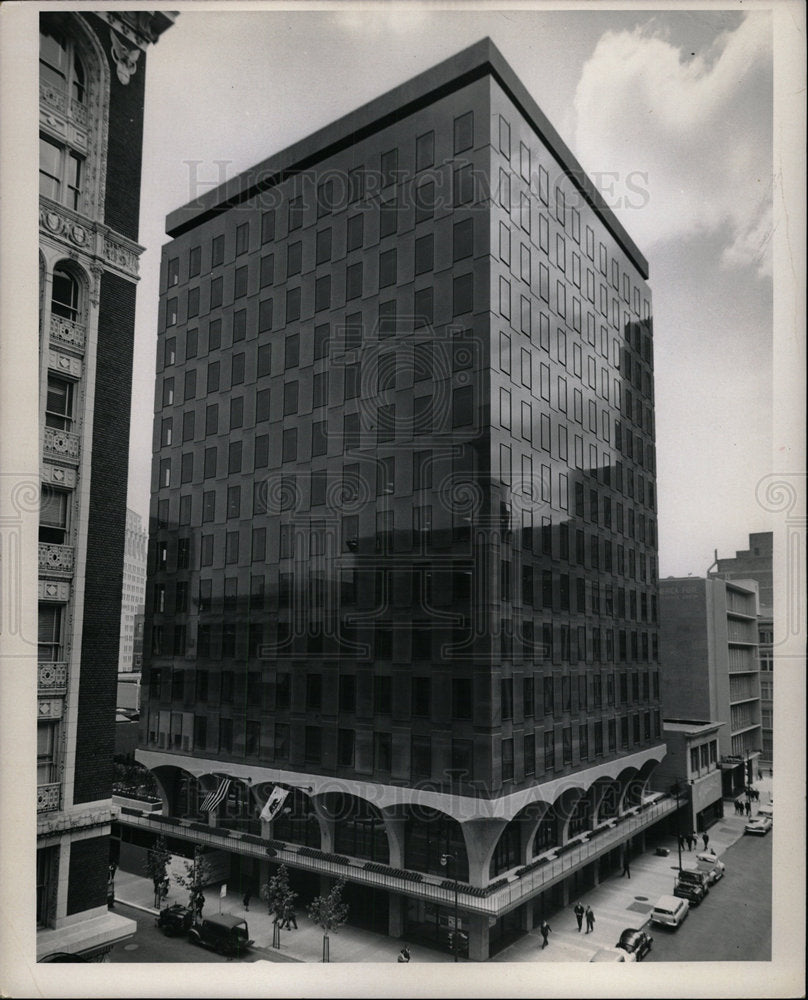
[
  {"x": 349, "y": 944},
  {"x": 620, "y": 902},
  {"x": 617, "y": 903}
]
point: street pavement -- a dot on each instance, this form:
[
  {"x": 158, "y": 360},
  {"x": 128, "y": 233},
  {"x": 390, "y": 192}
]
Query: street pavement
[{"x": 617, "y": 903}]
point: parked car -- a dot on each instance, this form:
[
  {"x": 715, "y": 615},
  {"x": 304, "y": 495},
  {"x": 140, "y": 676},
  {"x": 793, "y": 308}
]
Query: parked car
[
  {"x": 670, "y": 911},
  {"x": 767, "y": 809},
  {"x": 711, "y": 865},
  {"x": 175, "y": 919},
  {"x": 612, "y": 955},
  {"x": 226, "y": 934},
  {"x": 635, "y": 942},
  {"x": 691, "y": 884},
  {"x": 760, "y": 825}
]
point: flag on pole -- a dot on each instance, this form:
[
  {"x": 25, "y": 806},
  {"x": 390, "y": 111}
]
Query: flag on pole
[
  {"x": 274, "y": 803},
  {"x": 214, "y": 798}
]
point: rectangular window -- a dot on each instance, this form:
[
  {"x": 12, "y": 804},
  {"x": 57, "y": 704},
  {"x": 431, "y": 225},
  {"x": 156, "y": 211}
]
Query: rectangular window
[
  {"x": 353, "y": 281},
  {"x": 425, "y": 151},
  {"x": 464, "y": 132}
]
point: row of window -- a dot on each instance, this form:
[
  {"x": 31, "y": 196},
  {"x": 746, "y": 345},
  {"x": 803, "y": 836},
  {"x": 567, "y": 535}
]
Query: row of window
[
  {"x": 412, "y": 640},
  {"x": 635, "y": 729},
  {"x": 538, "y": 696}
]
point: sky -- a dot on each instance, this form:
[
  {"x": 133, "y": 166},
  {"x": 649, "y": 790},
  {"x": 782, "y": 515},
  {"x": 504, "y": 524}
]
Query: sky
[{"x": 669, "y": 111}]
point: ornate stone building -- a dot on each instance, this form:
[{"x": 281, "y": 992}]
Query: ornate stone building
[{"x": 91, "y": 93}]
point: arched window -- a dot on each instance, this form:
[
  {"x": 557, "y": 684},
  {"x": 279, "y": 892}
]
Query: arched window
[
  {"x": 65, "y": 298},
  {"x": 59, "y": 65}
]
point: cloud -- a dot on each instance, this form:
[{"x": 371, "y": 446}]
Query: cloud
[{"x": 693, "y": 131}]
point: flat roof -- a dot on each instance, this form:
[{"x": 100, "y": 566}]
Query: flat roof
[
  {"x": 473, "y": 63},
  {"x": 692, "y": 726}
]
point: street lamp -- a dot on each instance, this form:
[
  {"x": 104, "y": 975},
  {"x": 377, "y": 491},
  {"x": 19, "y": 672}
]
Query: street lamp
[
  {"x": 444, "y": 860},
  {"x": 676, "y": 789}
]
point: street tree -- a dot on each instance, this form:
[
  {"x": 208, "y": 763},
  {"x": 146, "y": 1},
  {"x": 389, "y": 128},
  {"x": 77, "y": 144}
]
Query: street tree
[
  {"x": 279, "y": 897},
  {"x": 330, "y": 913},
  {"x": 158, "y": 857},
  {"x": 197, "y": 875}
]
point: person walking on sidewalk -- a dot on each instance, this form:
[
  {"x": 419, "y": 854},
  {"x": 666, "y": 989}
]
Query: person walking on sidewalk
[
  {"x": 544, "y": 929},
  {"x": 626, "y": 869},
  {"x": 705, "y": 838},
  {"x": 579, "y": 915},
  {"x": 748, "y": 808},
  {"x": 246, "y": 900},
  {"x": 590, "y": 919}
]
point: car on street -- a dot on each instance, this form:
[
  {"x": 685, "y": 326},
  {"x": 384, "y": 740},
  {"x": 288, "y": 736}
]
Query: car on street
[
  {"x": 691, "y": 884},
  {"x": 635, "y": 942},
  {"x": 225, "y": 934},
  {"x": 767, "y": 809},
  {"x": 759, "y": 825},
  {"x": 175, "y": 919},
  {"x": 612, "y": 955},
  {"x": 711, "y": 865},
  {"x": 669, "y": 911}
]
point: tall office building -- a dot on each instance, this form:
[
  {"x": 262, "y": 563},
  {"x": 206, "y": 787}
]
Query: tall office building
[
  {"x": 134, "y": 593},
  {"x": 403, "y": 527},
  {"x": 756, "y": 563},
  {"x": 710, "y": 667},
  {"x": 90, "y": 120}
]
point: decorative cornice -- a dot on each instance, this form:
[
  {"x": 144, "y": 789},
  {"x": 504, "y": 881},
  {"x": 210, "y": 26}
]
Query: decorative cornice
[
  {"x": 141, "y": 28},
  {"x": 61, "y": 822},
  {"x": 101, "y": 244}
]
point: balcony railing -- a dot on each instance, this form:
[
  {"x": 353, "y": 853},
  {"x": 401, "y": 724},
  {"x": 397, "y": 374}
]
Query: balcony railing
[
  {"x": 66, "y": 331},
  {"x": 47, "y": 797},
  {"x": 62, "y": 445},
  {"x": 55, "y": 558},
  {"x": 52, "y": 678},
  {"x": 59, "y": 101},
  {"x": 508, "y": 892}
]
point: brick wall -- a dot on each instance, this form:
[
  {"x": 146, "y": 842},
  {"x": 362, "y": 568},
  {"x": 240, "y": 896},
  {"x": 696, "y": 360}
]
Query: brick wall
[
  {"x": 89, "y": 866},
  {"x": 95, "y": 730},
  {"x": 122, "y": 203}
]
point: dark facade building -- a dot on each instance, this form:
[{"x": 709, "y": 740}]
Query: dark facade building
[
  {"x": 710, "y": 667},
  {"x": 756, "y": 563},
  {"x": 92, "y": 70},
  {"x": 403, "y": 550}
]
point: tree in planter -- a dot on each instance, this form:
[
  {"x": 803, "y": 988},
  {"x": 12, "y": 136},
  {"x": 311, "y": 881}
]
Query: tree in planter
[
  {"x": 279, "y": 899},
  {"x": 196, "y": 877},
  {"x": 156, "y": 865},
  {"x": 330, "y": 913}
]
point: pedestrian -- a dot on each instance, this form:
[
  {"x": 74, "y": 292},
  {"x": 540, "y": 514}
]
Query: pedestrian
[
  {"x": 760, "y": 775},
  {"x": 626, "y": 869},
  {"x": 404, "y": 954},
  {"x": 544, "y": 929},
  {"x": 590, "y": 919},
  {"x": 748, "y": 808},
  {"x": 247, "y": 898},
  {"x": 705, "y": 838},
  {"x": 681, "y": 842},
  {"x": 289, "y": 917},
  {"x": 579, "y": 915}
]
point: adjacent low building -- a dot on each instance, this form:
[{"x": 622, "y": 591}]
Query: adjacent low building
[
  {"x": 756, "y": 563},
  {"x": 691, "y": 772},
  {"x": 709, "y": 656}
]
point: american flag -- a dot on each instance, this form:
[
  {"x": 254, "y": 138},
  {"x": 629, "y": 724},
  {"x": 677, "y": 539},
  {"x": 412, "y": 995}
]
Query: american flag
[{"x": 215, "y": 797}]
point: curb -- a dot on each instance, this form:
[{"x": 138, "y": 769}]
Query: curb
[{"x": 137, "y": 906}]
